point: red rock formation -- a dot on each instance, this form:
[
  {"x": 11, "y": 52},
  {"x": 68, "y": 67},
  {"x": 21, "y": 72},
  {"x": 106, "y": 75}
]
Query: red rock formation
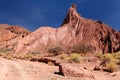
[
  {"x": 9, "y": 36},
  {"x": 75, "y": 71},
  {"x": 74, "y": 31},
  {"x": 95, "y": 33}
]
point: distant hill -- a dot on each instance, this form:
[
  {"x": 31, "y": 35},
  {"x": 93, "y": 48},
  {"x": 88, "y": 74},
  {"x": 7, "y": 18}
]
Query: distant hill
[{"x": 10, "y": 35}]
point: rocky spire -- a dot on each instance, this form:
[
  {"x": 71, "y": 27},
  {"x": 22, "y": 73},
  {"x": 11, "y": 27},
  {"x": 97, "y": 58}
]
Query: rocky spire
[{"x": 71, "y": 15}]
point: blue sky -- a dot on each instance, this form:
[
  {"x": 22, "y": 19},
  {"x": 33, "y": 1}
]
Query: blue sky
[{"x": 32, "y": 14}]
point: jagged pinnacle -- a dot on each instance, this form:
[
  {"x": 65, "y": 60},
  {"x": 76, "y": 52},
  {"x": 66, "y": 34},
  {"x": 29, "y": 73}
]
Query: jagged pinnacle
[
  {"x": 71, "y": 15},
  {"x": 74, "y": 6}
]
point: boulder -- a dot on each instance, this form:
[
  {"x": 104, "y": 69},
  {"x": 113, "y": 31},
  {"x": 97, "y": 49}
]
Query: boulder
[{"x": 75, "y": 71}]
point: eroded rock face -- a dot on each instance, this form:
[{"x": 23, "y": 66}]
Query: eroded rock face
[
  {"x": 75, "y": 30},
  {"x": 75, "y": 71},
  {"x": 95, "y": 33},
  {"x": 10, "y": 35}
]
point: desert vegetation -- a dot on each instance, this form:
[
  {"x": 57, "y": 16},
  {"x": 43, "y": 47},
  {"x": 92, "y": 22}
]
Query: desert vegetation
[
  {"x": 8, "y": 56},
  {"x": 63, "y": 56},
  {"x": 82, "y": 49},
  {"x": 56, "y": 50},
  {"x": 28, "y": 56},
  {"x": 5, "y": 53},
  {"x": 71, "y": 58},
  {"x": 110, "y": 61},
  {"x": 5, "y": 50},
  {"x": 74, "y": 57}
]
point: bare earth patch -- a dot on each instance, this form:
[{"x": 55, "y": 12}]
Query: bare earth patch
[{"x": 26, "y": 70}]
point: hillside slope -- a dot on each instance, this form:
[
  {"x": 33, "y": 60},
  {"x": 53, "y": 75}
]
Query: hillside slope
[{"x": 10, "y": 35}]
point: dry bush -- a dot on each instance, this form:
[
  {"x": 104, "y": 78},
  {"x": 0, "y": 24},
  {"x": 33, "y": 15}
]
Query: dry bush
[
  {"x": 112, "y": 66},
  {"x": 100, "y": 56},
  {"x": 108, "y": 57},
  {"x": 28, "y": 56},
  {"x": 63, "y": 56},
  {"x": 56, "y": 50},
  {"x": 117, "y": 55},
  {"x": 2, "y": 54},
  {"x": 5, "y": 50},
  {"x": 109, "y": 62},
  {"x": 82, "y": 49},
  {"x": 6, "y": 53},
  {"x": 40, "y": 56},
  {"x": 74, "y": 57},
  {"x": 8, "y": 56}
]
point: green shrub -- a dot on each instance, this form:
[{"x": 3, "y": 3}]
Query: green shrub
[{"x": 74, "y": 57}]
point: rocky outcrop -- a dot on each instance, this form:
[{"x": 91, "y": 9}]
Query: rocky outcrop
[
  {"x": 94, "y": 33},
  {"x": 74, "y": 31},
  {"x": 75, "y": 71},
  {"x": 10, "y": 35}
]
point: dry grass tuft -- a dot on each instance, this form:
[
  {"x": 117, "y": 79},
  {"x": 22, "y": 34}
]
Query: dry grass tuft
[
  {"x": 109, "y": 61},
  {"x": 74, "y": 57}
]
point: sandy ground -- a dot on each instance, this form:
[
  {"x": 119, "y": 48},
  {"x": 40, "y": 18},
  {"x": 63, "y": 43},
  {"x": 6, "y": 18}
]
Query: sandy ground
[{"x": 27, "y": 70}]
